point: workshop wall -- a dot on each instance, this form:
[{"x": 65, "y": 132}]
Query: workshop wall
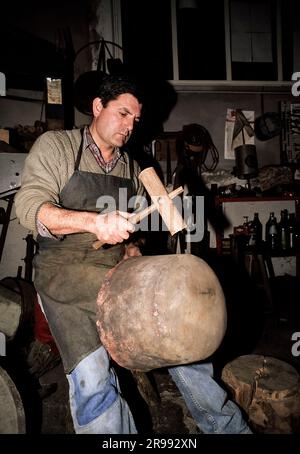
[
  {"x": 46, "y": 20},
  {"x": 208, "y": 109}
]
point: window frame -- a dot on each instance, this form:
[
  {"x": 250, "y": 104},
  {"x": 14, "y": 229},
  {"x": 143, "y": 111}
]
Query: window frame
[{"x": 246, "y": 86}]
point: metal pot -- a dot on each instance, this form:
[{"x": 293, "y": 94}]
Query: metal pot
[{"x": 246, "y": 161}]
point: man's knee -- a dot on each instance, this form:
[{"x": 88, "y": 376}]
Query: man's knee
[{"x": 93, "y": 387}]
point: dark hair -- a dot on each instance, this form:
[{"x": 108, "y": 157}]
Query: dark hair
[{"x": 113, "y": 86}]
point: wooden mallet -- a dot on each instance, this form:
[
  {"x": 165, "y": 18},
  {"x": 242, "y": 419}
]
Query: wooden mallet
[{"x": 162, "y": 201}]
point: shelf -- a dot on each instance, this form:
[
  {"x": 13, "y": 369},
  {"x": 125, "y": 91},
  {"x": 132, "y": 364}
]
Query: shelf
[
  {"x": 230, "y": 86},
  {"x": 221, "y": 199},
  {"x": 234, "y": 208}
]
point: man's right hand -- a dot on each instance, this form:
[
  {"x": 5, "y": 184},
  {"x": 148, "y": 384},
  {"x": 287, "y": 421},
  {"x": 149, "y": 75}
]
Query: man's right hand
[
  {"x": 112, "y": 228},
  {"x": 109, "y": 228}
]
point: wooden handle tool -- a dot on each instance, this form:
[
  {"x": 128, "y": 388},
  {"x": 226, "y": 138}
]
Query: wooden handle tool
[{"x": 137, "y": 217}]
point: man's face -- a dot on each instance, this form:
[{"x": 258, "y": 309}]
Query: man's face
[{"x": 113, "y": 125}]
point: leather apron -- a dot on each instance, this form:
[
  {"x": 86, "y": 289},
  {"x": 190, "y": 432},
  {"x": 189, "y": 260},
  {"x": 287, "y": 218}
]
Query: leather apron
[{"x": 69, "y": 272}]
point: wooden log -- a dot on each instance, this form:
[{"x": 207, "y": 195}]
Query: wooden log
[
  {"x": 159, "y": 311},
  {"x": 268, "y": 389}
]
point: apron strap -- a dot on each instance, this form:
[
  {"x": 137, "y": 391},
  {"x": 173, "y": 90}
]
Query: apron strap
[
  {"x": 131, "y": 165},
  {"x": 79, "y": 154}
]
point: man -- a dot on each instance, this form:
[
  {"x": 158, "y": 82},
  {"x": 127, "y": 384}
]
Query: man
[{"x": 65, "y": 174}]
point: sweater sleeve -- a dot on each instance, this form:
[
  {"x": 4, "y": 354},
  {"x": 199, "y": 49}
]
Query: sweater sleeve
[{"x": 45, "y": 173}]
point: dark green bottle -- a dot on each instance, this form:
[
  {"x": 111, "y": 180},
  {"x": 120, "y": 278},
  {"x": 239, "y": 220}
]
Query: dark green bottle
[{"x": 255, "y": 231}]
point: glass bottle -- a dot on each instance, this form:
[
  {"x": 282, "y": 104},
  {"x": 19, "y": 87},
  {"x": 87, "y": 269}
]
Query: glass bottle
[
  {"x": 246, "y": 231},
  {"x": 292, "y": 229},
  {"x": 272, "y": 233},
  {"x": 296, "y": 237},
  {"x": 246, "y": 224},
  {"x": 283, "y": 231},
  {"x": 255, "y": 231}
]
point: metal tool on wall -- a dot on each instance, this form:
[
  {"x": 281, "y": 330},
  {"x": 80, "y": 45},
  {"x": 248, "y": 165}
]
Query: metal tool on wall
[
  {"x": 86, "y": 85},
  {"x": 245, "y": 154}
]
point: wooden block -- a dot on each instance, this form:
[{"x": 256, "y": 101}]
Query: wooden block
[{"x": 4, "y": 135}]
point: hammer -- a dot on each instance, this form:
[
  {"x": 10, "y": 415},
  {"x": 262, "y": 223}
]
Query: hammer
[{"x": 161, "y": 201}]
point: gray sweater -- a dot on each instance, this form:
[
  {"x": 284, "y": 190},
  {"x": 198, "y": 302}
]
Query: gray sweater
[{"x": 49, "y": 166}]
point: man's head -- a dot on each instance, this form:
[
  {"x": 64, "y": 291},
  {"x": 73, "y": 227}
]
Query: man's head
[
  {"x": 116, "y": 110},
  {"x": 113, "y": 86}
]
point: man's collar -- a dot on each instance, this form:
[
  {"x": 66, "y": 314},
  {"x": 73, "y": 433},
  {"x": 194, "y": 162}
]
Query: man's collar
[{"x": 87, "y": 140}]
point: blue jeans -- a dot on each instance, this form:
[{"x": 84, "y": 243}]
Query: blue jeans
[
  {"x": 207, "y": 401},
  {"x": 95, "y": 400},
  {"x": 98, "y": 408}
]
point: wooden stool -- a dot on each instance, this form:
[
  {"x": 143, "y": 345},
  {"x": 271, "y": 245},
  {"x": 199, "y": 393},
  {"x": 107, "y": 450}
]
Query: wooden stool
[
  {"x": 146, "y": 388},
  {"x": 260, "y": 268},
  {"x": 268, "y": 390}
]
